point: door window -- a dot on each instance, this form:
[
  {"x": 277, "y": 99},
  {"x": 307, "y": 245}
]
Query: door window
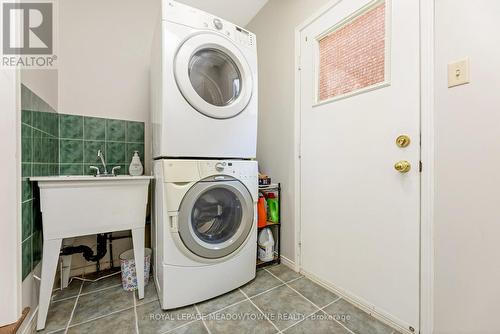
[
  {"x": 353, "y": 55},
  {"x": 215, "y": 77},
  {"x": 216, "y": 216}
]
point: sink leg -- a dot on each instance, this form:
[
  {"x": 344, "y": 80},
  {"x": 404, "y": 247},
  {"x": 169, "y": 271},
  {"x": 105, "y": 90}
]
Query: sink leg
[
  {"x": 138, "y": 241},
  {"x": 66, "y": 263},
  {"x": 51, "y": 250}
]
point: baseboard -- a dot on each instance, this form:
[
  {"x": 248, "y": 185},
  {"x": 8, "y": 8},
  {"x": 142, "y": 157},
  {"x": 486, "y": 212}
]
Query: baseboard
[
  {"x": 360, "y": 303},
  {"x": 13, "y": 328},
  {"x": 289, "y": 263},
  {"x": 29, "y": 324}
]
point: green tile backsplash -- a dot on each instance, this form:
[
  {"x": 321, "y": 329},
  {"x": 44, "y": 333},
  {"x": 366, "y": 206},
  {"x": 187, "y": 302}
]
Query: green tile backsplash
[
  {"x": 59, "y": 144},
  {"x": 117, "y": 139},
  {"x": 70, "y": 127},
  {"x": 39, "y": 156}
]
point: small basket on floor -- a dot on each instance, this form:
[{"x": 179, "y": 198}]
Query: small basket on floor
[{"x": 129, "y": 276}]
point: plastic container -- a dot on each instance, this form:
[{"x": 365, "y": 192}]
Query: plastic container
[
  {"x": 272, "y": 208},
  {"x": 261, "y": 212},
  {"x": 136, "y": 168},
  {"x": 129, "y": 276},
  {"x": 266, "y": 245}
]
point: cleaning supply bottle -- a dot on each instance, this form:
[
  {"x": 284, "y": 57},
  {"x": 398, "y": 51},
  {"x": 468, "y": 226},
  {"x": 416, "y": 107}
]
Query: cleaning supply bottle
[
  {"x": 136, "y": 168},
  {"x": 272, "y": 208},
  {"x": 261, "y": 211},
  {"x": 266, "y": 245}
]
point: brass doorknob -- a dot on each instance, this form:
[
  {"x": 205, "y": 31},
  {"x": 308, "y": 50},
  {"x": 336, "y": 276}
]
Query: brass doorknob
[
  {"x": 403, "y": 141},
  {"x": 402, "y": 166}
]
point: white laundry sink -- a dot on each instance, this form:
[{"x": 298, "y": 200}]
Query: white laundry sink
[
  {"x": 85, "y": 205},
  {"x": 81, "y": 205}
]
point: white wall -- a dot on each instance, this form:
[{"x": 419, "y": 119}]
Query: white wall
[
  {"x": 467, "y": 221},
  {"x": 10, "y": 207},
  {"x": 104, "y": 55},
  {"x": 275, "y": 27},
  {"x": 43, "y": 83},
  {"x": 105, "y": 48},
  {"x": 239, "y": 12}
]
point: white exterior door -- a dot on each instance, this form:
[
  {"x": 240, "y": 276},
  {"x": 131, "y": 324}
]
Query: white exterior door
[{"x": 359, "y": 91}]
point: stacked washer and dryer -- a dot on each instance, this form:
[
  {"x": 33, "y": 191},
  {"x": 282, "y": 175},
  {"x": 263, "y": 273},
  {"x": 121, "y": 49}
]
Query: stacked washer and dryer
[{"x": 204, "y": 118}]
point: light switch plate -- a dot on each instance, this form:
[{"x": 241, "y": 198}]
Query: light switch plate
[{"x": 458, "y": 73}]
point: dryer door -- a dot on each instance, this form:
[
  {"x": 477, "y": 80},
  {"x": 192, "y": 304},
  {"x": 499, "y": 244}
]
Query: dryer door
[
  {"x": 213, "y": 75},
  {"x": 215, "y": 218}
]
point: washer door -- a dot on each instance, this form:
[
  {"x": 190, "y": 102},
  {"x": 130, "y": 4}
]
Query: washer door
[
  {"x": 213, "y": 75},
  {"x": 215, "y": 218}
]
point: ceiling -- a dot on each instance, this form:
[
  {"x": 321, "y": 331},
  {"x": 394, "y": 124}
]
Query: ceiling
[{"x": 240, "y": 12}]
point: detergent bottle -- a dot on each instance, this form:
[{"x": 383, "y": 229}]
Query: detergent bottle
[
  {"x": 261, "y": 211},
  {"x": 272, "y": 208},
  {"x": 266, "y": 245}
]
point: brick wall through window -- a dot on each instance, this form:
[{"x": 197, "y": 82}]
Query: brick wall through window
[{"x": 352, "y": 57}]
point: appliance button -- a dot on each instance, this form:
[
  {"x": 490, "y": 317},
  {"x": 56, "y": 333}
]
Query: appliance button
[
  {"x": 219, "y": 166},
  {"x": 218, "y": 24}
]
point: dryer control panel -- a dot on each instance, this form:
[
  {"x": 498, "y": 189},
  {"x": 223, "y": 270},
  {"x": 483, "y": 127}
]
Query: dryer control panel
[
  {"x": 242, "y": 170},
  {"x": 182, "y": 14}
]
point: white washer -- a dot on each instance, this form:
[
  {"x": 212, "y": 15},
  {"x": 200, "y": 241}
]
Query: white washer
[
  {"x": 204, "y": 86},
  {"x": 205, "y": 228}
]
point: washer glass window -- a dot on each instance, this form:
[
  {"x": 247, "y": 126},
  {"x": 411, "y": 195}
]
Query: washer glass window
[
  {"x": 216, "y": 215},
  {"x": 215, "y": 77}
]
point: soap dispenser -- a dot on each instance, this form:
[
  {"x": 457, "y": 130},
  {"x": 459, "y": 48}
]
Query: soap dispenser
[{"x": 135, "y": 168}]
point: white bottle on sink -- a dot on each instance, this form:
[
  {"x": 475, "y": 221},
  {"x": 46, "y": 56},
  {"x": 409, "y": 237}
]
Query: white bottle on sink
[{"x": 136, "y": 168}]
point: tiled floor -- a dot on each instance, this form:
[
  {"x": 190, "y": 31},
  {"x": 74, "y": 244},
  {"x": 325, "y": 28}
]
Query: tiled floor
[{"x": 278, "y": 301}]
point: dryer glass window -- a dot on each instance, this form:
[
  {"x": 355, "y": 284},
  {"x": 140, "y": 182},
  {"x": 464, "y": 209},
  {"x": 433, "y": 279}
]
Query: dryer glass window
[
  {"x": 216, "y": 216},
  {"x": 215, "y": 77}
]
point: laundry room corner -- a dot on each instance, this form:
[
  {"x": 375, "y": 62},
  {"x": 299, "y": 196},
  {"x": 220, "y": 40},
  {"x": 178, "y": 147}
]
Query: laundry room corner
[{"x": 277, "y": 141}]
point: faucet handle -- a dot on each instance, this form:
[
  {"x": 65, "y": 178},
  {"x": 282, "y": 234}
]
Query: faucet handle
[
  {"x": 96, "y": 169},
  {"x": 115, "y": 169}
]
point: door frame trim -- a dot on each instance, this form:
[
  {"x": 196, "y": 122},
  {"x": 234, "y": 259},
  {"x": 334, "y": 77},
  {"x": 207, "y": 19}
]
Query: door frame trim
[{"x": 426, "y": 155}]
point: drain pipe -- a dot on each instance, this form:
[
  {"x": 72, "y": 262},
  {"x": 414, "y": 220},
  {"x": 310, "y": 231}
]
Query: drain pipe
[
  {"x": 110, "y": 239},
  {"x": 86, "y": 251}
]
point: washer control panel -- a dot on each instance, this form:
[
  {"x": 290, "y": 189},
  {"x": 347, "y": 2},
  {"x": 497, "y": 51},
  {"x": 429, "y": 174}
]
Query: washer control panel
[
  {"x": 241, "y": 170},
  {"x": 182, "y": 14}
]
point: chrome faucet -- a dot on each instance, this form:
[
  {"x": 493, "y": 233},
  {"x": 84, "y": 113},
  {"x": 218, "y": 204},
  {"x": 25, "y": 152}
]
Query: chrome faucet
[
  {"x": 96, "y": 169},
  {"x": 100, "y": 155}
]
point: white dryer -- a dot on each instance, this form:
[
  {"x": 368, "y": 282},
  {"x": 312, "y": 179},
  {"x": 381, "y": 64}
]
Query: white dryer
[
  {"x": 205, "y": 228},
  {"x": 204, "y": 86}
]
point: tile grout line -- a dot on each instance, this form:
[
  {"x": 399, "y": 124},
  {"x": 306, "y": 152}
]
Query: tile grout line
[
  {"x": 234, "y": 304},
  {"x": 265, "y": 316},
  {"x": 38, "y": 129},
  {"x": 228, "y": 306},
  {"x": 180, "y": 326},
  {"x": 202, "y": 320},
  {"x": 319, "y": 308},
  {"x": 135, "y": 316},
  {"x": 300, "y": 321},
  {"x": 102, "y": 316},
  {"x": 341, "y": 324},
  {"x": 243, "y": 300},
  {"x": 73, "y": 310},
  {"x": 100, "y": 290}
]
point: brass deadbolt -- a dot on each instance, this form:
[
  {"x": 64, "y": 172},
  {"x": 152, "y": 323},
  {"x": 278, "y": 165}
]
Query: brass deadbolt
[
  {"x": 403, "y": 141},
  {"x": 402, "y": 166}
]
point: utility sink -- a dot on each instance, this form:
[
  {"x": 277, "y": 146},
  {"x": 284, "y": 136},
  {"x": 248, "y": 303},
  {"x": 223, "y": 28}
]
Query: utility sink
[
  {"x": 75, "y": 206},
  {"x": 81, "y": 205}
]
